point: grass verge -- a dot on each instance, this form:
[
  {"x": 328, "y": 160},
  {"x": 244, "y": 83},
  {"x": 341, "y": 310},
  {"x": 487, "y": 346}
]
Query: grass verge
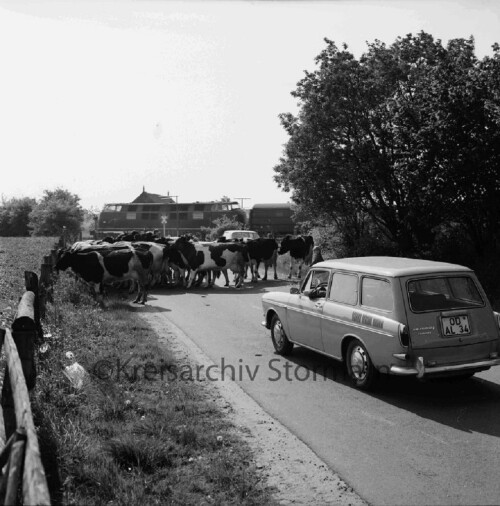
[{"x": 133, "y": 433}]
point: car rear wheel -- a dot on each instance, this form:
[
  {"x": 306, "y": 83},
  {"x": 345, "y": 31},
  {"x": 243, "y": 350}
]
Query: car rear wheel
[
  {"x": 359, "y": 366},
  {"x": 281, "y": 343}
]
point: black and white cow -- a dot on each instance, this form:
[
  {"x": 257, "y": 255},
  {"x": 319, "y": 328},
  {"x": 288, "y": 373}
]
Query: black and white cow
[
  {"x": 160, "y": 262},
  {"x": 262, "y": 250},
  {"x": 300, "y": 249},
  {"x": 99, "y": 266},
  {"x": 213, "y": 257},
  {"x": 174, "y": 263}
]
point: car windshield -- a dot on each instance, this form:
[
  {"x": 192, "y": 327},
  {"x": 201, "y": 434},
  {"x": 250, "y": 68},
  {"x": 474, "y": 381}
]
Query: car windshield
[
  {"x": 443, "y": 293},
  {"x": 241, "y": 235}
]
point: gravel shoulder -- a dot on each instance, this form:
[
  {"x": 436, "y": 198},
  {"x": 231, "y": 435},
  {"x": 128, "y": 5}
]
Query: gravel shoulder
[{"x": 285, "y": 462}]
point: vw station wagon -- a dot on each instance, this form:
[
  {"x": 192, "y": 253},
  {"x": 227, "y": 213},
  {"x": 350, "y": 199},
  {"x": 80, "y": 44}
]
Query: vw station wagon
[{"x": 388, "y": 315}]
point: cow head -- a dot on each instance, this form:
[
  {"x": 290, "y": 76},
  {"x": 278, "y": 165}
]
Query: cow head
[
  {"x": 63, "y": 260},
  {"x": 285, "y": 245}
]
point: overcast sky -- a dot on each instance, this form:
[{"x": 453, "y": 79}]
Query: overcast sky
[{"x": 104, "y": 97}]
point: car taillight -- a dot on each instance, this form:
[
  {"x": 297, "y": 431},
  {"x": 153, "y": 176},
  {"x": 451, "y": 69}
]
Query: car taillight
[
  {"x": 404, "y": 335},
  {"x": 497, "y": 318}
]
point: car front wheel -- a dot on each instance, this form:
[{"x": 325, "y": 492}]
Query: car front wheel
[
  {"x": 359, "y": 366},
  {"x": 281, "y": 343}
]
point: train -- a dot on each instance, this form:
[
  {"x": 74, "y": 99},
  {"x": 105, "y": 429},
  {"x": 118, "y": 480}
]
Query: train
[
  {"x": 151, "y": 211},
  {"x": 274, "y": 219}
]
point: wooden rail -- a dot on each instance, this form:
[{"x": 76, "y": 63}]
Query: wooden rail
[{"x": 22, "y": 477}]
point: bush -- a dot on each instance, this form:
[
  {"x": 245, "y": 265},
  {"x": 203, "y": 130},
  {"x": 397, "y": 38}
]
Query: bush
[{"x": 221, "y": 225}]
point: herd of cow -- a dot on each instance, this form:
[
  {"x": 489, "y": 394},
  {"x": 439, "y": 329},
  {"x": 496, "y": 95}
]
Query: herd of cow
[{"x": 179, "y": 261}]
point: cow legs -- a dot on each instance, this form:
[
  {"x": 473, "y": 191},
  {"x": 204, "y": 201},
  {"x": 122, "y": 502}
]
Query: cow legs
[
  {"x": 298, "y": 263},
  {"x": 210, "y": 279},
  {"x": 99, "y": 292},
  {"x": 199, "y": 279},
  {"x": 132, "y": 287},
  {"x": 254, "y": 269},
  {"x": 139, "y": 293},
  {"x": 238, "y": 281},
  {"x": 299, "y": 269},
  {"x": 265, "y": 272},
  {"x": 192, "y": 275},
  {"x": 257, "y": 276},
  {"x": 142, "y": 293}
]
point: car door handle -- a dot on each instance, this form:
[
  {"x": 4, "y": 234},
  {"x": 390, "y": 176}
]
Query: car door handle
[{"x": 319, "y": 304}]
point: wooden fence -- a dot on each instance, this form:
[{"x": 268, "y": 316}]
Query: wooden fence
[{"x": 22, "y": 477}]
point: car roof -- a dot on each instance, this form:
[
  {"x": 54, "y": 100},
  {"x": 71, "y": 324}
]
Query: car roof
[
  {"x": 240, "y": 232},
  {"x": 392, "y": 266}
]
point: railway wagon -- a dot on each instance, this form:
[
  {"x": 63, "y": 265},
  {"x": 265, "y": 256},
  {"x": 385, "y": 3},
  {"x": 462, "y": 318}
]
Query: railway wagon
[
  {"x": 169, "y": 218},
  {"x": 276, "y": 219}
]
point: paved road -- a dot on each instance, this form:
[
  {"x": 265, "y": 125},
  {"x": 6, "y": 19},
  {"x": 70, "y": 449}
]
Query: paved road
[{"x": 408, "y": 443}]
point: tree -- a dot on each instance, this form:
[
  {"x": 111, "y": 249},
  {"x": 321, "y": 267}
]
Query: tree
[
  {"x": 14, "y": 216},
  {"x": 90, "y": 217},
  {"x": 58, "y": 208},
  {"x": 220, "y": 226},
  {"x": 403, "y": 140}
]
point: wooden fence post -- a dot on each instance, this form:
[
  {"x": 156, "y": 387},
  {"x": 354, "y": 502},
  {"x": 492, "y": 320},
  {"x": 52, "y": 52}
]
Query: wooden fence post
[
  {"x": 35, "y": 490},
  {"x": 3, "y": 425},
  {"x": 46, "y": 294},
  {"x": 31, "y": 282},
  {"x": 24, "y": 333},
  {"x": 53, "y": 255}
]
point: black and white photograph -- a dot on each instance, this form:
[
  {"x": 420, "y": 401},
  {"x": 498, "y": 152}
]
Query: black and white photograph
[{"x": 250, "y": 252}]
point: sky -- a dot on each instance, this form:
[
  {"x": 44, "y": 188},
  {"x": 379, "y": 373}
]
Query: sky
[{"x": 105, "y": 97}]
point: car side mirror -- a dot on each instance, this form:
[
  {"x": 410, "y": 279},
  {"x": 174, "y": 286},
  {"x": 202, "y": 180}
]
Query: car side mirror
[{"x": 294, "y": 290}]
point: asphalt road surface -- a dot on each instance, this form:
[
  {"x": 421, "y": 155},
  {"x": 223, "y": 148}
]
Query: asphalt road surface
[{"x": 407, "y": 443}]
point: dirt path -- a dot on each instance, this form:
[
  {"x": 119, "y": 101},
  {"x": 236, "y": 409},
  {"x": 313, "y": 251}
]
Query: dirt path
[{"x": 285, "y": 462}]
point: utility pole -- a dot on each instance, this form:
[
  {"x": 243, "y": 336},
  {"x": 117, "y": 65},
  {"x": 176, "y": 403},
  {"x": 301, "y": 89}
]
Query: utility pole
[{"x": 242, "y": 199}]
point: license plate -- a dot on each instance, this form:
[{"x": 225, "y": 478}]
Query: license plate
[{"x": 455, "y": 325}]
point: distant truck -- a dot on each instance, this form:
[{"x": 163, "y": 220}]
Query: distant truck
[{"x": 275, "y": 219}]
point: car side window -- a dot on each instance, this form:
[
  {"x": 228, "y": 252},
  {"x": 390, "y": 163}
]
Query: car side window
[
  {"x": 344, "y": 288},
  {"x": 315, "y": 279},
  {"x": 376, "y": 293}
]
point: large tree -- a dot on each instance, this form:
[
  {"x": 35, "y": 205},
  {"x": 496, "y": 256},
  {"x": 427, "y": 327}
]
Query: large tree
[
  {"x": 14, "y": 216},
  {"x": 407, "y": 136},
  {"x": 57, "y": 209}
]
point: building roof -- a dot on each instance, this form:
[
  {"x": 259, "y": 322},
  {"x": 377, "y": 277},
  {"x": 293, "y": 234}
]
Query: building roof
[
  {"x": 392, "y": 266},
  {"x": 152, "y": 198}
]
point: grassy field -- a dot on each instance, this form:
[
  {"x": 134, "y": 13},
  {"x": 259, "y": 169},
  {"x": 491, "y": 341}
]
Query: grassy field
[
  {"x": 129, "y": 435},
  {"x": 18, "y": 254}
]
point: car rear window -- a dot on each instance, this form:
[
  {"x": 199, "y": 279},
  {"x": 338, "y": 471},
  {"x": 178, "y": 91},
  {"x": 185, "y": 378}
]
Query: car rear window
[{"x": 443, "y": 293}]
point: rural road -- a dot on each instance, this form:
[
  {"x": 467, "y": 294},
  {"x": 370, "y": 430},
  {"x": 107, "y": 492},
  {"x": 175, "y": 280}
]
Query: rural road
[{"x": 407, "y": 443}]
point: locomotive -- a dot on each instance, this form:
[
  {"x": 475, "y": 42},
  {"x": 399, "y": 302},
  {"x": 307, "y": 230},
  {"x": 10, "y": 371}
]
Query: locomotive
[{"x": 152, "y": 211}]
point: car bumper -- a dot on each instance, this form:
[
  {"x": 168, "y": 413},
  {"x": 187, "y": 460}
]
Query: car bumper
[{"x": 420, "y": 370}]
